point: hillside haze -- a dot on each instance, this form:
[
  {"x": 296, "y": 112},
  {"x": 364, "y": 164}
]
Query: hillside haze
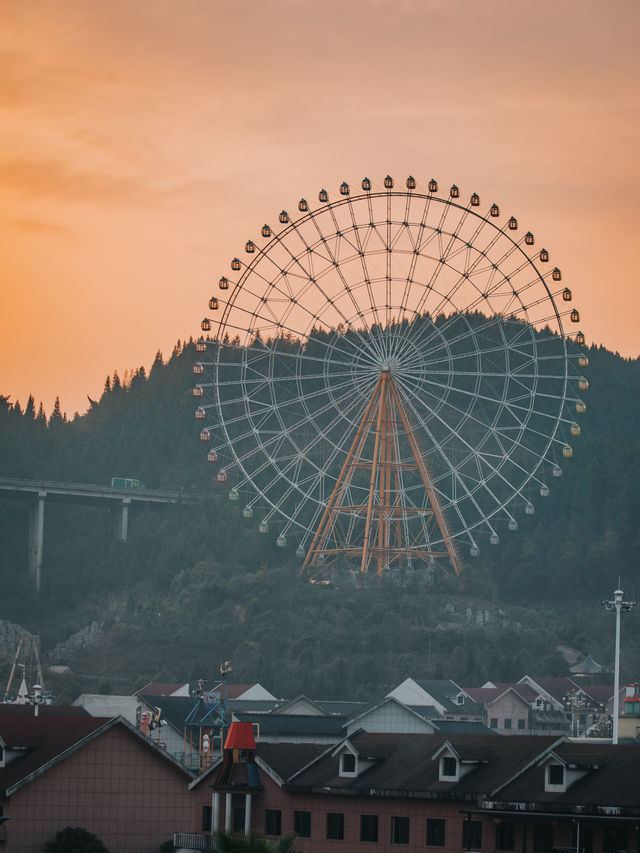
[{"x": 196, "y": 583}]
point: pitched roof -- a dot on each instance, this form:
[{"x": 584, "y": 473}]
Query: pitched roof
[
  {"x": 155, "y": 688},
  {"x": 43, "y": 741},
  {"x": 555, "y": 687},
  {"x": 601, "y": 693},
  {"x": 295, "y": 725},
  {"x": 487, "y": 695},
  {"x": 612, "y": 778},
  {"x": 11, "y": 709},
  {"x": 445, "y": 692},
  {"x": 404, "y": 764},
  {"x": 287, "y": 758},
  {"x": 586, "y": 667},
  {"x": 463, "y": 727},
  {"x": 425, "y": 712}
]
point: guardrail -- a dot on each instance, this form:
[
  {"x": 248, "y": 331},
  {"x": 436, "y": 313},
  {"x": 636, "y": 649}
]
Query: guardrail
[
  {"x": 193, "y": 841},
  {"x": 90, "y": 487}
]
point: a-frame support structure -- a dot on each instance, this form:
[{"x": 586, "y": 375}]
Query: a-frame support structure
[{"x": 389, "y": 536}]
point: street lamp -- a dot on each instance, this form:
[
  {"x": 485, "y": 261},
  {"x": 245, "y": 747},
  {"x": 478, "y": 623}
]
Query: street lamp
[{"x": 619, "y": 606}]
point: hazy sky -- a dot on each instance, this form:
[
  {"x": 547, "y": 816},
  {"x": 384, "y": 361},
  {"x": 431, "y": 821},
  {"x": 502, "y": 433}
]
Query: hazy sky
[{"x": 144, "y": 141}]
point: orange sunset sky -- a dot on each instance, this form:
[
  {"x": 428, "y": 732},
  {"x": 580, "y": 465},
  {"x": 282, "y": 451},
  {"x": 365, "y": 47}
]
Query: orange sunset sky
[{"x": 144, "y": 141}]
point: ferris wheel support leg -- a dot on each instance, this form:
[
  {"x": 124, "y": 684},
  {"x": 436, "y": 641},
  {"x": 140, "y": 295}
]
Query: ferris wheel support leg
[
  {"x": 426, "y": 479},
  {"x": 384, "y": 378},
  {"x": 358, "y": 440}
]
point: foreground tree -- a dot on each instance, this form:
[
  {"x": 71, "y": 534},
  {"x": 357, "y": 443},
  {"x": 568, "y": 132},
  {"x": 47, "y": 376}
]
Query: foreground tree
[{"x": 75, "y": 840}]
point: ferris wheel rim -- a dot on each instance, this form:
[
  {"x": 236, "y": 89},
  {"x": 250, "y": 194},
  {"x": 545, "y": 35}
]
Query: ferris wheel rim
[{"x": 338, "y": 396}]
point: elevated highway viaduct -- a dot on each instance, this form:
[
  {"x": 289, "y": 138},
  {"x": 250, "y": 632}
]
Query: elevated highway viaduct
[{"x": 40, "y": 492}]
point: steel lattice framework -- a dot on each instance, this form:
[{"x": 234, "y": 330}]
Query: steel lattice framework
[{"x": 387, "y": 375}]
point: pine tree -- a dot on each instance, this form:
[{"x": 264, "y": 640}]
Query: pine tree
[{"x": 30, "y": 410}]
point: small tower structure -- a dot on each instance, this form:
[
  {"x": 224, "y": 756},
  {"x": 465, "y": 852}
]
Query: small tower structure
[{"x": 237, "y": 779}]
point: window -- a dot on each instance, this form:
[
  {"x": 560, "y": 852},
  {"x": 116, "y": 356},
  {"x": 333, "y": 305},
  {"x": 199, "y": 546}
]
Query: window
[
  {"x": 507, "y": 722},
  {"x": 472, "y": 834},
  {"x": 272, "y": 822},
  {"x": 399, "y": 830},
  {"x": 368, "y": 827},
  {"x": 522, "y": 724},
  {"x": 506, "y": 836},
  {"x": 335, "y": 825},
  {"x": 435, "y": 832},
  {"x": 206, "y": 818},
  {"x": 494, "y": 722},
  {"x": 449, "y": 767},
  {"x": 555, "y": 774},
  {"x": 348, "y": 763},
  {"x": 302, "y": 824},
  {"x": 542, "y": 838},
  {"x": 615, "y": 838}
]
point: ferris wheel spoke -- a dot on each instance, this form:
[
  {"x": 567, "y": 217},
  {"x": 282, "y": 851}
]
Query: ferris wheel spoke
[
  {"x": 363, "y": 262},
  {"x": 489, "y": 430},
  {"x": 453, "y": 471}
]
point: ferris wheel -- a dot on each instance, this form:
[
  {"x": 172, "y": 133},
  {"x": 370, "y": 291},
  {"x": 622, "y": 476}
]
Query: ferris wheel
[{"x": 386, "y": 377}]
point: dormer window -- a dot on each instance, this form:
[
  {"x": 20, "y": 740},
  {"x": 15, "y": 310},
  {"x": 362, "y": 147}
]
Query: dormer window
[
  {"x": 348, "y": 765},
  {"x": 448, "y": 768},
  {"x": 460, "y": 699},
  {"x": 555, "y": 778}
]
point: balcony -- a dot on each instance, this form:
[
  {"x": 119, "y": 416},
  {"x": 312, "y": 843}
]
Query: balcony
[{"x": 193, "y": 841}]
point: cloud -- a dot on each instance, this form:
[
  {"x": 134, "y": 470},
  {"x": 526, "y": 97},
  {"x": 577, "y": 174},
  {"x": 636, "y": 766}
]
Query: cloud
[
  {"x": 54, "y": 179},
  {"x": 33, "y": 226}
]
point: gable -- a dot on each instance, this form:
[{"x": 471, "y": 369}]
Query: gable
[
  {"x": 301, "y": 706},
  {"x": 390, "y": 716},
  {"x": 409, "y": 692}
]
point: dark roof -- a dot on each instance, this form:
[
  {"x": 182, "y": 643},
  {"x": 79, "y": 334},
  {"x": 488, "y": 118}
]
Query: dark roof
[
  {"x": 45, "y": 740},
  {"x": 487, "y": 695},
  {"x": 287, "y": 758},
  {"x": 427, "y": 712},
  {"x": 292, "y": 725},
  {"x": 445, "y": 692},
  {"x": 612, "y": 781},
  {"x": 462, "y": 727},
  {"x": 256, "y": 705},
  {"x": 556, "y": 687},
  {"x": 587, "y": 666},
  {"x": 283, "y": 759},
  {"x": 345, "y": 709},
  {"x": 175, "y": 709},
  {"x": 405, "y": 764},
  {"x": 599, "y": 692},
  {"x": 11, "y": 709}
]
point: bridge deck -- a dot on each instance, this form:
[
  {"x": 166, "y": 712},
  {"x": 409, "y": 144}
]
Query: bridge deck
[{"x": 72, "y": 492}]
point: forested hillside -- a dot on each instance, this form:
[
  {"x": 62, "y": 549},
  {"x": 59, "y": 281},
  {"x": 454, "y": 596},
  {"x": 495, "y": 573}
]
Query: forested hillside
[{"x": 196, "y": 584}]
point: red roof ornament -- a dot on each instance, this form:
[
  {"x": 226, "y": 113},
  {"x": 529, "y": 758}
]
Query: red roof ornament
[{"x": 240, "y": 736}]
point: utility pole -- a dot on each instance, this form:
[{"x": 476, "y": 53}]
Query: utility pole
[{"x": 619, "y": 606}]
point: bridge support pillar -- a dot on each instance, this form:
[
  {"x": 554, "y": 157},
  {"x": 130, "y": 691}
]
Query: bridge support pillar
[
  {"x": 122, "y": 520},
  {"x": 36, "y": 538}
]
